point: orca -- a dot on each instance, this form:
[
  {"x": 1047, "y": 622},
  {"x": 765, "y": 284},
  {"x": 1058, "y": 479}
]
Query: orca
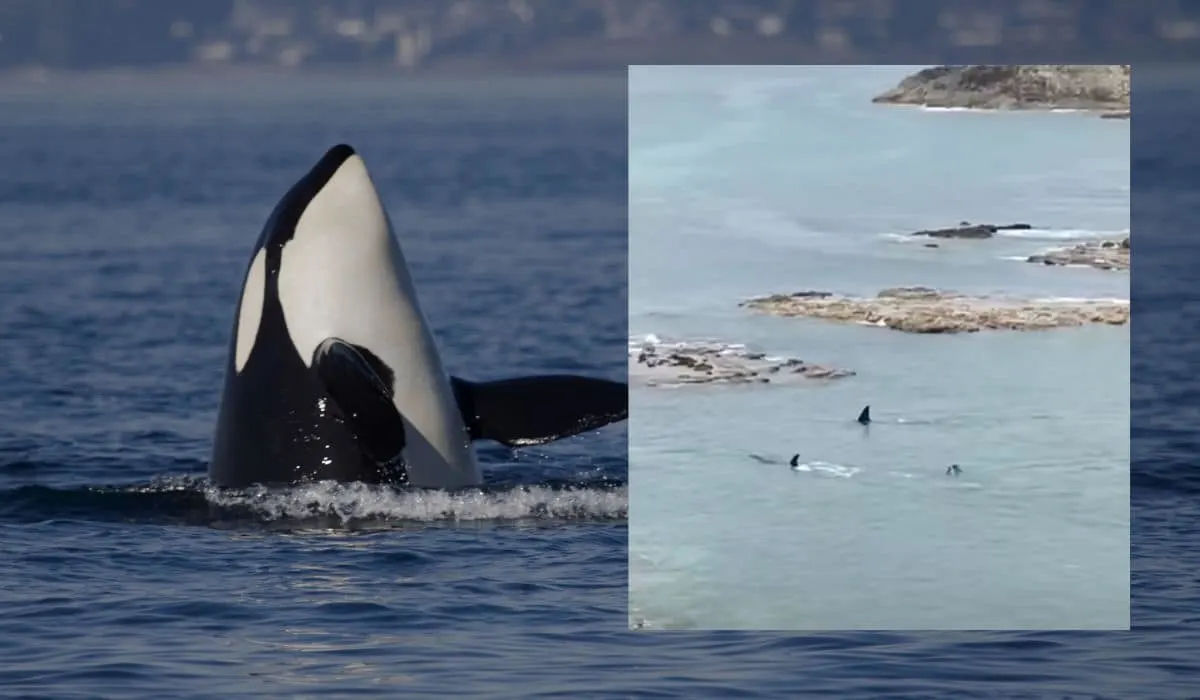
[
  {"x": 953, "y": 469},
  {"x": 794, "y": 461},
  {"x": 864, "y": 416},
  {"x": 333, "y": 373}
]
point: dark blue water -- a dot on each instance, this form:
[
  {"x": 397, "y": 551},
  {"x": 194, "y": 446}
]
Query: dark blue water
[
  {"x": 125, "y": 230},
  {"x": 128, "y": 212}
]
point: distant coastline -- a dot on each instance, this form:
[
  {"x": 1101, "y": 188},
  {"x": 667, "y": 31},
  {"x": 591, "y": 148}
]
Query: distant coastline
[
  {"x": 1103, "y": 89},
  {"x": 45, "y": 76}
]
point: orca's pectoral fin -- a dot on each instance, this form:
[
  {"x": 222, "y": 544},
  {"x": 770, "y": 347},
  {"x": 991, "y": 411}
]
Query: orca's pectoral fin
[
  {"x": 539, "y": 409},
  {"x": 365, "y": 401}
]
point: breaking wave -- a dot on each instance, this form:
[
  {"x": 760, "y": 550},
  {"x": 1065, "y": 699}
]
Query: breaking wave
[{"x": 193, "y": 501}]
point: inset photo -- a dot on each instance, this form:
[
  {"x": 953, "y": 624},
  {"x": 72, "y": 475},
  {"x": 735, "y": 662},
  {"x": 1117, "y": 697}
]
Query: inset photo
[{"x": 879, "y": 347}]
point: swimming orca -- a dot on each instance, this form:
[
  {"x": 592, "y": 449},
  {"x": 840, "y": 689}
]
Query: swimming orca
[
  {"x": 794, "y": 461},
  {"x": 333, "y": 372},
  {"x": 864, "y": 416},
  {"x": 953, "y": 469}
]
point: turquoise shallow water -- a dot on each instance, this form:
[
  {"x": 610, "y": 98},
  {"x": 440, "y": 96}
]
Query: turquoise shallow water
[{"x": 745, "y": 181}]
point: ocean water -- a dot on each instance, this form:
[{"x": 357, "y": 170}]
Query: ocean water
[
  {"x": 747, "y": 181},
  {"x": 159, "y": 595},
  {"x": 128, "y": 211}
]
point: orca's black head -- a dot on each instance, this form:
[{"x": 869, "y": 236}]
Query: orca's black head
[{"x": 281, "y": 224}]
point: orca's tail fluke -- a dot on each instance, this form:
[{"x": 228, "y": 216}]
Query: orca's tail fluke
[{"x": 864, "y": 416}]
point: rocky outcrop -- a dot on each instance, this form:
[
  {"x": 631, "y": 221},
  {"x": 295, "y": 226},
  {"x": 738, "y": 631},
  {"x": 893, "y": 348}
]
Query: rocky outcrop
[
  {"x": 1102, "y": 255},
  {"x": 1100, "y": 88},
  {"x": 967, "y": 229},
  {"x": 926, "y": 310},
  {"x": 675, "y": 364}
]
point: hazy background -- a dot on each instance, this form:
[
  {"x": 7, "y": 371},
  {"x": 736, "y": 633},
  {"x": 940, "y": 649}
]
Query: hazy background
[{"x": 41, "y": 35}]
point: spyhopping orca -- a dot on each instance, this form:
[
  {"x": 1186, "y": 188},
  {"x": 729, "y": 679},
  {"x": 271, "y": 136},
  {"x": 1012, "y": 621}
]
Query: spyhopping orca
[
  {"x": 864, "y": 416},
  {"x": 794, "y": 461},
  {"x": 333, "y": 373},
  {"x": 953, "y": 469}
]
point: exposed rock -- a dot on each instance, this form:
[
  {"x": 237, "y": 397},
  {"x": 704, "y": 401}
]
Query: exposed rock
[
  {"x": 1115, "y": 115},
  {"x": 967, "y": 229},
  {"x": 1103, "y": 88},
  {"x": 673, "y": 364},
  {"x": 927, "y": 310},
  {"x": 1102, "y": 255}
]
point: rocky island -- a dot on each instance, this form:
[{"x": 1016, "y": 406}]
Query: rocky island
[
  {"x": 675, "y": 364},
  {"x": 1085, "y": 87},
  {"x": 926, "y": 310},
  {"x": 966, "y": 229},
  {"x": 1102, "y": 255}
]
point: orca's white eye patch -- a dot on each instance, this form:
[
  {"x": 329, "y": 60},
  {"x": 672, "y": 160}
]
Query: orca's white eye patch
[{"x": 250, "y": 310}]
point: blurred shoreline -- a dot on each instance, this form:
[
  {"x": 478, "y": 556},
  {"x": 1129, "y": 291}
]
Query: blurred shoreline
[{"x": 498, "y": 36}]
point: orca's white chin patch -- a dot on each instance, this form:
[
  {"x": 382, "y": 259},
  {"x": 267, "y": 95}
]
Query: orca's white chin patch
[{"x": 338, "y": 263}]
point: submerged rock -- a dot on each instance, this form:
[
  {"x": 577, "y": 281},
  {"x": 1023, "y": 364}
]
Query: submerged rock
[
  {"x": 1086, "y": 87},
  {"x": 658, "y": 364},
  {"x": 927, "y": 310},
  {"x": 1102, "y": 255}
]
